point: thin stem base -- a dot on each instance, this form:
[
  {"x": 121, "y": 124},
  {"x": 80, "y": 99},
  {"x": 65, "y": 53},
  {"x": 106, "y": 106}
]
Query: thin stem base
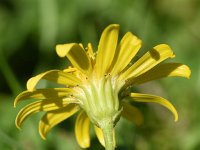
[{"x": 107, "y": 129}]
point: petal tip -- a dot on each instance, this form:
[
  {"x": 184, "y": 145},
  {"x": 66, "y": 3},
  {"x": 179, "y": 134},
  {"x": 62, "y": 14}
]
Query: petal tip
[
  {"x": 44, "y": 138},
  {"x": 176, "y": 118},
  {"x": 42, "y": 135},
  {"x": 173, "y": 56},
  {"x": 30, "y": 85},
  {"x": 15, "y": 102},
  {"x": 60, "y": 50},
  {"x": 114, "y": 25},
  {"x": 17, "y": 124},
  {"x": 189, "y": 73},
  {"x": 17, "y": 99},
  {"x": 18, "y": 127}
]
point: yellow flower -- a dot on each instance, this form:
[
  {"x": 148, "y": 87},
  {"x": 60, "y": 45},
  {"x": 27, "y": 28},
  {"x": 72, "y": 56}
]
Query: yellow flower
[{"x": 98, "y": 85}]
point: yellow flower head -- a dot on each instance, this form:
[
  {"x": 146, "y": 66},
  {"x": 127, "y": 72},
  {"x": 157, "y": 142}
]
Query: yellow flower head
[{"x": 98, "y": 86}]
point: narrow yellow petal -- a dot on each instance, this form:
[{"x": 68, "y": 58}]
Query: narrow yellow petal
[
  {"x": 52, "y": 118},
  {"x": 76, "y": 54},
  {"x": 106, "y": 49},
  {"x": 90, "y": 51},
  {"x": 100, "y": 136},
  {"x": 43, "y": 94},
  {"x": 82, "y": 130},
  {"x": 91, "y": 54},
  {"x": 126, "y": 50},
  {"x": 153, "y": 57},
  {"x": 56, "y": 76},
  {"x": 163, "y": 70},
  {"x": 132, "y": 113},
  {"x": 41, "y": 105},
  {"x": 81, "y": 45},
  {"x": 138, "y": 97},
  {"x": 70, "y": 69}
]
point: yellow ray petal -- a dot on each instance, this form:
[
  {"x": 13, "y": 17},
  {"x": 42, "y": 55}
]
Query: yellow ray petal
[
  {"x": 56, "y": 76},
  {"x": 132, "y": 113},
  {"x": 126, "y": 50},
  {"x": 81, "y": 45},
  {"x": 90, "y": 51},
  {"x": 100, "y": 136},
  {"x": 52, "y": 118},
  {"x": 41, "y": 105},
  {"x": 70, "y": 69},
  {"x": 43, "y": 94},
  {"x": 82, "y": 130},
  {"x": 163, "y": 70},
  {"x": 91, "y": 54},
  {"x": 76, "y": 54},
  {"x": 153, "y": 57},
  {"x": 106, "y": 49},
  {"x": 138, "y": 97}
]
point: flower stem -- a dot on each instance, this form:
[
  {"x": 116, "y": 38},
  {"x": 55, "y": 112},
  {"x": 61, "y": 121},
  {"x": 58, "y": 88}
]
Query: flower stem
[{"x": 108, "y": 135}]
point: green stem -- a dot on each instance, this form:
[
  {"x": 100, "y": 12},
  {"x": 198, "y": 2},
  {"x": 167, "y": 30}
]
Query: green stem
[{"x": 108, "y": 135}]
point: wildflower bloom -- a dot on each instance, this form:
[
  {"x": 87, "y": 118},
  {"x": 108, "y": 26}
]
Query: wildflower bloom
[{"x": 98, "y": 86}]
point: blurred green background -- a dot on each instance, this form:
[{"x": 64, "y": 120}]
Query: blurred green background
[{"x": 29, "y": 31}]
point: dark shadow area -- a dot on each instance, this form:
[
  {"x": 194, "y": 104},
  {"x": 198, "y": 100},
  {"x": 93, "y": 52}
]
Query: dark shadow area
[{"x": 154, "y": 54}]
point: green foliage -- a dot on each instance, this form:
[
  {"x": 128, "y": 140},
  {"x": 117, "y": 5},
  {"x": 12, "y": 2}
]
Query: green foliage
[{"x": 29, "y": 31}]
